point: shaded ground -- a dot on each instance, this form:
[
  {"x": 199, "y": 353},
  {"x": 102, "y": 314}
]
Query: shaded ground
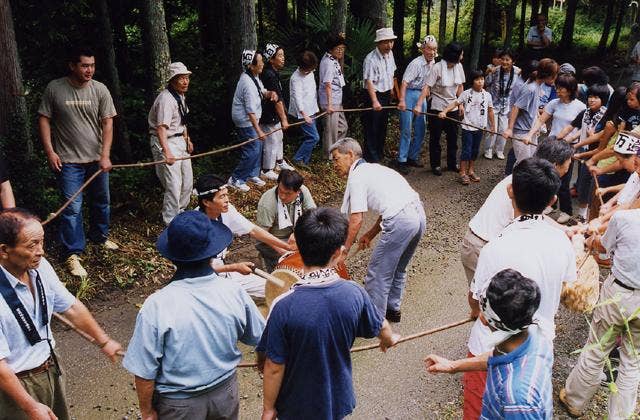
[{"x": 388, "y": 386}]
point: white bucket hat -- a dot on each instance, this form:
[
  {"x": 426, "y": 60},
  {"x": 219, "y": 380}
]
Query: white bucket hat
[
  {"x": 626, "y": 144},
  {"x": 429, "y": 39},
  {"x": 177, "y": 69},
  {"x": 384, "y": 34}
]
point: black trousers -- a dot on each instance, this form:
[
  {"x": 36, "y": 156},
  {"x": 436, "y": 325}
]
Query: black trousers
[
  {"x": 564, "y": 194},
  {"x": 436, "y": 127},
  {"x": 374, "y": 127}
]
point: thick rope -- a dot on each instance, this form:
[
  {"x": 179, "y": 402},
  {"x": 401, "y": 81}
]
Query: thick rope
[
  {"x": 57, "y": 213},
  {"x": 401, "y": 340}
]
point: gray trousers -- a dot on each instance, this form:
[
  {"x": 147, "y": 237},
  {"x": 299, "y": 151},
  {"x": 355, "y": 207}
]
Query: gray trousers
[
  {"x": 220, "y": 403},
  {"x": 334, "y": 128},
  {"x": 386, "y": 273}
]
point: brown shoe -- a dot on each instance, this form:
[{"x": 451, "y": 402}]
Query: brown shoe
[
  {"x": 474, "y": 177},
  {"x": 563, "y": 399},
  {"x": 465, "y": 179}
]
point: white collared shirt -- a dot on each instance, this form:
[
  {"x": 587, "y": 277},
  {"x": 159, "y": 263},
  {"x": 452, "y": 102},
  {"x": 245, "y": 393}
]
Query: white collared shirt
[
  {"x": 495, "y": 214},
  {"x": 302, "y": 88},
  {"x": 622, "y": 240},
  {"x": 538, "y": 251},
  {"x": 374, "y": 187},
  {"x": 379, "y": 70},
  {"x": 416, "y": 73},
  {"x": 330, "y": 72}
]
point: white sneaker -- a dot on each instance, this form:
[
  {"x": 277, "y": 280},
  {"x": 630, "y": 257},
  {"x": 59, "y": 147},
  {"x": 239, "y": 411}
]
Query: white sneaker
[
  {"x": 500, "y": 155},
  {"x": 75, "y": 268},
  {"x": 270, "y": 175},
  {"x": 236, "y": 184},
  {"x": 563, "y": 218},
  {"x": 110, "y": 245},
  {"x": 488, "y": 154},
  {"x": 285, "y": 165},
  {"x": 257, "y": 181}
]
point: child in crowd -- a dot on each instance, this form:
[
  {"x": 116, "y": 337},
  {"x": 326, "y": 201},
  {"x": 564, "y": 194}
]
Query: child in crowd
[
  {"x": 583, "y": 131},
  {"x": 478, "y": 113},
  {"x": 519, "y": 366},
  {"x": 304, "y": 105}
]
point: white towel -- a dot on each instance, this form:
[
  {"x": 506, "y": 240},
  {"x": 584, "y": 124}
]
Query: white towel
[
  {"x": 451, "y": 77},
  {"x": 284, "y": 218}
]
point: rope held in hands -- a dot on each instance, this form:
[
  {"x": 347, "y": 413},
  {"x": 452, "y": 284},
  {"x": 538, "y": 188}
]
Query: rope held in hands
[{"x": 57, "y": 213}]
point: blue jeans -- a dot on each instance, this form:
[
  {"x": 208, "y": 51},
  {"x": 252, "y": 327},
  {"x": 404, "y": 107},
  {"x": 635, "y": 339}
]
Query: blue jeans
[
  {"x": 250, "y": 155},
  {"x": 470, "y": 144},
  {"x": 410, "y": 145},
  {"x": 310, "y": 138},
  {"x": 70, "y": 179}
]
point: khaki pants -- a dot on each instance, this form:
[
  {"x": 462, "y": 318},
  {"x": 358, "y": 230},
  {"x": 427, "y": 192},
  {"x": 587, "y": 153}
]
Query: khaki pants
[
  {"x": 586, "y": 376},
  {"x": 469, "y": 253},
  {"x": 222, "y": 402},
  {"x": 176, "y": 179},
  {"x": 334, "y": 128},
  {"x": 45, "y": 387}
]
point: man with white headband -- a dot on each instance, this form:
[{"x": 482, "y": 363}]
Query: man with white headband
[
  {"x": 520, "y": 363},
  {"x": 529, "y": 245},
  {"x": 213, "y": 200}
]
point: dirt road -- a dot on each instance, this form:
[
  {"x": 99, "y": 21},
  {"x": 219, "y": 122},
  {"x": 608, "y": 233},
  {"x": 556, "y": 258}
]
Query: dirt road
[{"x": 388, "y": 386}]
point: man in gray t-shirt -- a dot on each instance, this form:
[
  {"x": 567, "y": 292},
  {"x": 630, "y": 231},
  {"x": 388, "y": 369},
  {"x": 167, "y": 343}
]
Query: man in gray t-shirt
[{"x": 76, "y": 128}]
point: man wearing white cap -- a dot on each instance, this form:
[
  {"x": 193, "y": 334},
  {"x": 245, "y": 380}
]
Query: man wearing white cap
[
  {"x": 378, "y": 69},
  {"x": 170, "y": 140},
  {"x": 413, "y": 81}
]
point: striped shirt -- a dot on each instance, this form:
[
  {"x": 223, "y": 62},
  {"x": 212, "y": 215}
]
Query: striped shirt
[
  {"x": 379, "y": 69},
  {"x": 519, "y": 383},
  {"x": 416, "y": 72}
]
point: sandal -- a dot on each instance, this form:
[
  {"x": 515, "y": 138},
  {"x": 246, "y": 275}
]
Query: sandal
[
  {"x": 474, "y": 177},
  {"x": 465, "y": 179}
]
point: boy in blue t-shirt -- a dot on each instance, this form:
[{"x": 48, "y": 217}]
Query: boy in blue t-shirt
[
  {"x": 306, "y": 345},
  {"x": 519, "y": 367}
]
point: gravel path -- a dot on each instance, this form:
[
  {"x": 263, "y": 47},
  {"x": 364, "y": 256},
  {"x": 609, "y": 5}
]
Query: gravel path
[{"x": 388, "y": 386}]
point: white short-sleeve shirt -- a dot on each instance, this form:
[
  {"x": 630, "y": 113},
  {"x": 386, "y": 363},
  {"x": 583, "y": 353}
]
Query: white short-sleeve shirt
[
  {"x": 538, "y": 251},
  {"x": 237, "y": 224},
  {"x": 495, "y": 214},
  {"x": 476, "y": 108},
  {"x": 622, "y": 240},
  {"x": 631, "y": 189},
  {"x": 373, "y": 187},
  {"x": 379, "y": 69}
]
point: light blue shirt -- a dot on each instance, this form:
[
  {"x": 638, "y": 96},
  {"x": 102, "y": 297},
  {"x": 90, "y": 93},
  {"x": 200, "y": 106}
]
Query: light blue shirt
[
  {"x": 15, "y": 349},
  {"x": 247, "y": 99},
  {"x": 186, "y": 335}
]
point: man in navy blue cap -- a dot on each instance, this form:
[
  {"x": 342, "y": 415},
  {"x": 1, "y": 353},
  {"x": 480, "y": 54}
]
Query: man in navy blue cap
[{"x": 184, "y": 351}]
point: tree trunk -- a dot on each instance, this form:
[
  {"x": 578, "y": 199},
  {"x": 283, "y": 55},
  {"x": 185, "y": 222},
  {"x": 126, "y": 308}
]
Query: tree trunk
[
  {"x": 429, "y": 5},
  {"x": 156, "y": 44},
  {"x": 281, "y": 12},
  {"x": 339, "y": 17},
  {"x": 511, "y": 17},
  {"x": 569, "y": 23},
  {"x": 535, "y": 6},
  {"x": 121, "y": 145},
  {"x": 523, "y": 11},
  {"x": 417, "y": 27},
  {"x": 455, "y": 22},
  {"x": 442, "y": 23},
  {"x": 398, "y": 29},
  {"x": 604, "y": 38},
  {"x": 477, "y": 25},
  {"x": 622, "y": 8},
  {"x": 301, "y": 12},
  {"x": 545, "y": 8},
  {"x": 14, "y": 123},
  {"x": 118, "y": 11}
]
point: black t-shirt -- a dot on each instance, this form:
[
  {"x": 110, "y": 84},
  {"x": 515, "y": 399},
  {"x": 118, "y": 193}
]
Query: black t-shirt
[
  {"x": 631, "y": 118},
  {"x": 271, "y": 81}
]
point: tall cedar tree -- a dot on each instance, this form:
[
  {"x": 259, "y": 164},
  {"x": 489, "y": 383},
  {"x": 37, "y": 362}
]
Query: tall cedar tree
[
  {"x": 157, "y": 45},
  {"x": 339, "y": 16},
  {"x": 477, "y": 25},
  {"x": 622, "y": 8},
  {"x": 442, "y": 25},
  {"x": 398, "y": 29},
  {"x": 417, "y": 27},
  {"x": 569, "y": 23}
]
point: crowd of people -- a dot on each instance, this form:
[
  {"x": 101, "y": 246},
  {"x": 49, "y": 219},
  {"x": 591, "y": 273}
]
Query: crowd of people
[{"x": 516, "y": 258}]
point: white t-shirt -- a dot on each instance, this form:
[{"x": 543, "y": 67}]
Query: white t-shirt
[
  {"x": 237, "y": 224},
  {"x": 495, "y": 214},
  {"x": 538, "y": 251},
  {"x": 621, "y": 241},
  {"x": 563, "y": 114},
  {"x": 631, "y": 189},
  {"x": 476, "y": 108},
  {"x": 374, "y": 187}
]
